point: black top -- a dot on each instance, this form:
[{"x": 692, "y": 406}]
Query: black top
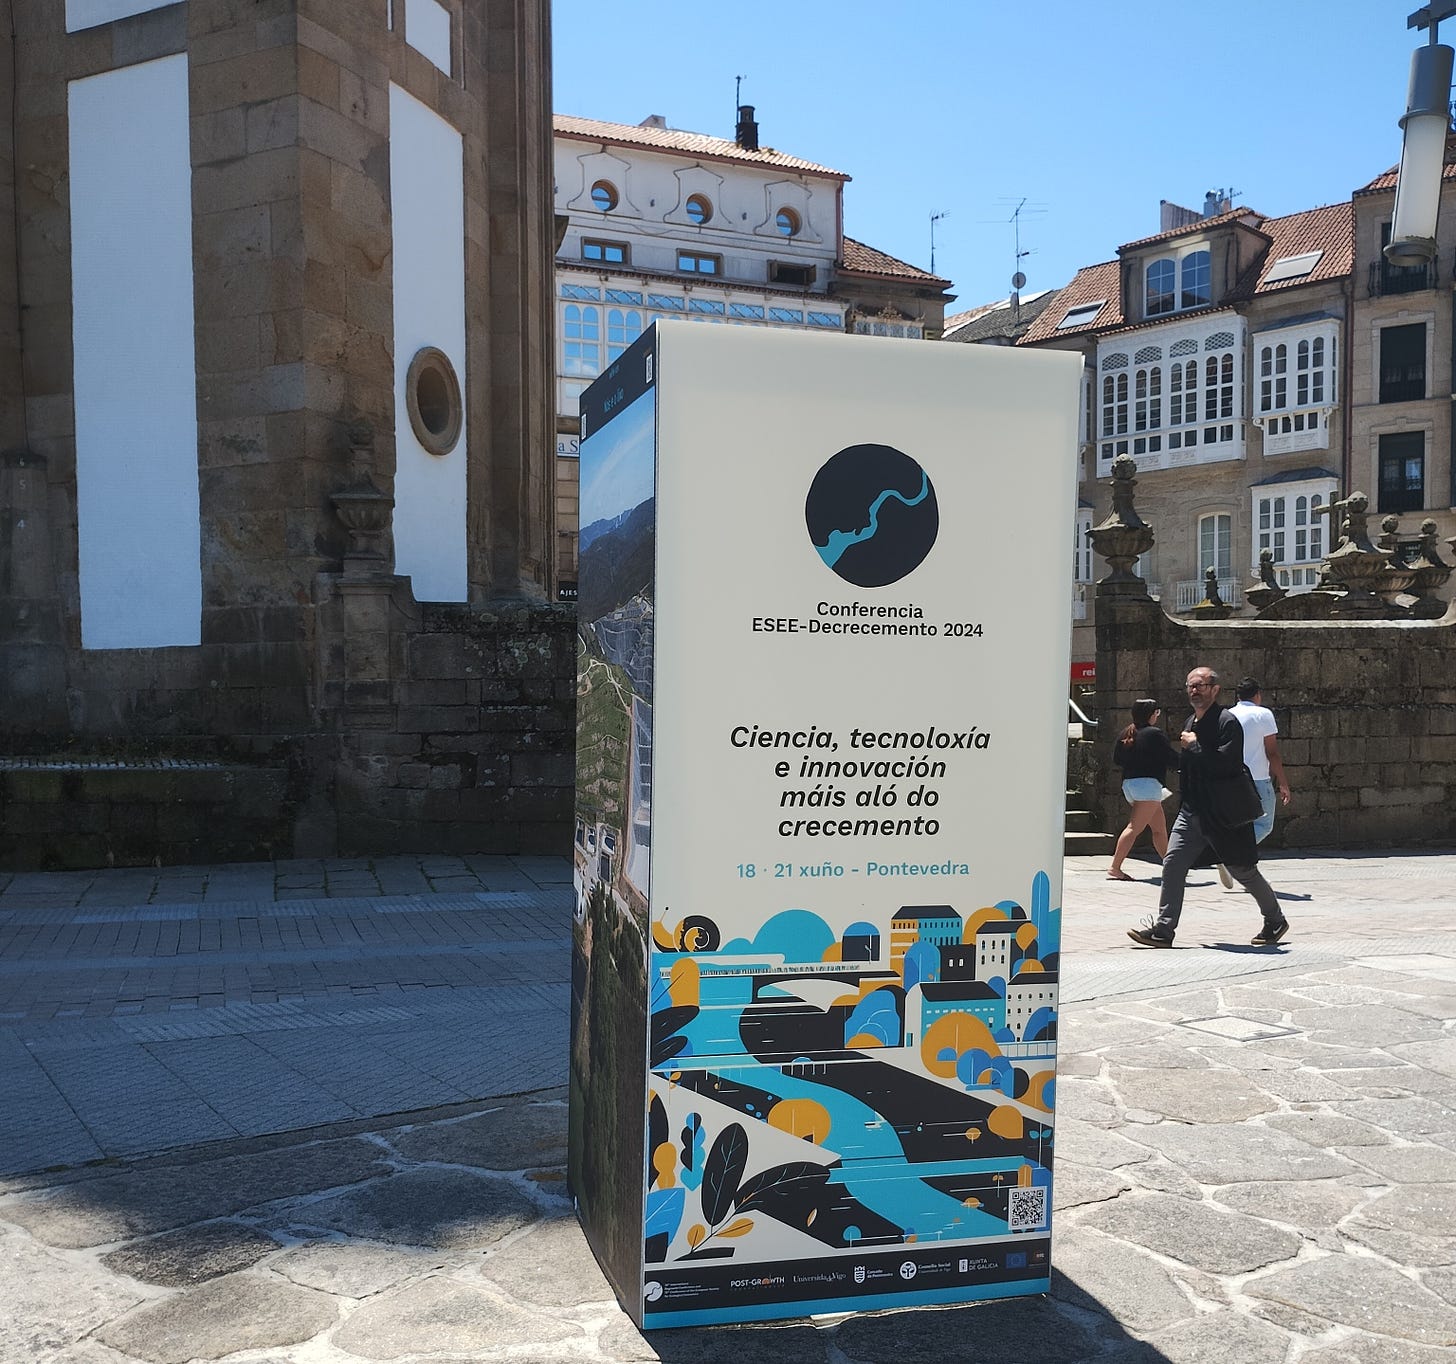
[
  {"x": 1147, "y": 756},
  {"x": 1218, "y": 752}
]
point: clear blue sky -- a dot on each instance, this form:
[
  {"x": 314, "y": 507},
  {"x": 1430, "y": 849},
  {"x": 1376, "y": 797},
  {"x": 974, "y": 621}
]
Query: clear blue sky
[{"x": 1091, "y": 110}]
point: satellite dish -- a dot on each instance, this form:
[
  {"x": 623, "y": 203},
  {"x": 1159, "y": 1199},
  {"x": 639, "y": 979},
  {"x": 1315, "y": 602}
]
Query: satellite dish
[{"x": 1018, "y": 280}]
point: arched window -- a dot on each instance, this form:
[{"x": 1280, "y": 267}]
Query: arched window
[
  {"x": 623, "y": 328},
  {"x": 581, "y": 341},
  {"x": 1197, "y": 290},
  {"x": 1215, "y": 544},
  {"x": 1162, "y": 277}
]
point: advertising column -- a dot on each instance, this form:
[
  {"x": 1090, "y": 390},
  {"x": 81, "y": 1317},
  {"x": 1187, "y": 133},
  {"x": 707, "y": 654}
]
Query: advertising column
[{"x": 824, "y": 621}]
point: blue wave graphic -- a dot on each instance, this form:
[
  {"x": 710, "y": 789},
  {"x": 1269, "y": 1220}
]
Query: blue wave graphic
[{"x": 842, "y": 540}]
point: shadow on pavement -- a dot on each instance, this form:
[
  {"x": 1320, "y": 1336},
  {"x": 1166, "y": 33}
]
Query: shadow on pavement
[{"x": 1068, "y": 1326}]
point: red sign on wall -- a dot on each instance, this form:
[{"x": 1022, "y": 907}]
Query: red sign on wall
[{"x": 1084, "y": 672}]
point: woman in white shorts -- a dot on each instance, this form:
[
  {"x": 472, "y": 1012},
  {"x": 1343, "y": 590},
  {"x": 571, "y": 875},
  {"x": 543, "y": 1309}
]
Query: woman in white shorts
[{"x": 1143, "y": 752}]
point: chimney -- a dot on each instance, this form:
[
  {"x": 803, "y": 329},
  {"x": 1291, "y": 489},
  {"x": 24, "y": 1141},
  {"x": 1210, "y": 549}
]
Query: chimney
[
  {"x": 653, "y": 121},
  {"x": 747, "y": 135}
]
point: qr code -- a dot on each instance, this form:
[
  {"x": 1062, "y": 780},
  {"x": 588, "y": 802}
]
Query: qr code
[{"x": 1026, "y": 1209}]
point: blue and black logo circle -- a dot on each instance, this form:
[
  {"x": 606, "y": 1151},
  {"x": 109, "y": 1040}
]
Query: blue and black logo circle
[{"x": 872, "y": 514}]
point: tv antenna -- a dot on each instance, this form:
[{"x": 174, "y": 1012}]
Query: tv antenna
[
  {"x": 737, "y": 95},
  {"x": 935, "y": 218}
]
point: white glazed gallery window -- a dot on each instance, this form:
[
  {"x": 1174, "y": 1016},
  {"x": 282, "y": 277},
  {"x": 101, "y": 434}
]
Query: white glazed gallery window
[
  {"x": 623, "y": 328},
  {"x": 581, "y": 333},
  {"x": 1296, "y": 389},
  {"x": 1289, "y": 524},
  {"x": 1180, "y": 395}
]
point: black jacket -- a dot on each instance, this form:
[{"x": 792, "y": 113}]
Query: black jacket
[{"x": 1218, "y": 752}]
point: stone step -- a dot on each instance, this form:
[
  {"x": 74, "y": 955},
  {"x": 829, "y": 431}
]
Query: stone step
[
  {"x": 75, "y": 811},
  {"x": 1087, "y": 844}
]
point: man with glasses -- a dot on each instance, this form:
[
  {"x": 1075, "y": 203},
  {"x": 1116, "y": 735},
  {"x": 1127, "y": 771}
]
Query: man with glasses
[{"x": 1213, "y": 747}]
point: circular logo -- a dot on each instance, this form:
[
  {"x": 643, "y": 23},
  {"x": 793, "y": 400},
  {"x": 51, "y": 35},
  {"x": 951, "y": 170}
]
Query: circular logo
[
  {"x": 871, "y": 514},
  {"x": 907, "y": 1270},
  {"x": 652, "y": 1290}
]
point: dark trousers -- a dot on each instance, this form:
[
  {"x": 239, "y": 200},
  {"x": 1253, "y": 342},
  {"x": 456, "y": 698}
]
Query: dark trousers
[{"x": 1186, "y": 843}]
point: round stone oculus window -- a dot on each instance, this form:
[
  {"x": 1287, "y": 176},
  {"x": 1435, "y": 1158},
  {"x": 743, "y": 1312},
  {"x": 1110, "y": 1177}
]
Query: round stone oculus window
[{"x": 432, "y": 394}]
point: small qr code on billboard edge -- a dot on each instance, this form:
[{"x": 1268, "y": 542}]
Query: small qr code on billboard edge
[{"x": 1026, "y": 1209}]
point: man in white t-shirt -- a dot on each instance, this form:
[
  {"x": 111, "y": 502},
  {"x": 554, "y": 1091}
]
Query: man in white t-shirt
[{"x": 1261, "y": 751}]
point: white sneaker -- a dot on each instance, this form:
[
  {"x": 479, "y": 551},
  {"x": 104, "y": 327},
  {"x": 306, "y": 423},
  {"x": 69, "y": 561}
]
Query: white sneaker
[{"x": 1223, "y": 875}]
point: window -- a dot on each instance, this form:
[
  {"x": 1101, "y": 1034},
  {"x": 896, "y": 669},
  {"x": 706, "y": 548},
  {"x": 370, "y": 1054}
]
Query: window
[
  {"x": 699, "y": 209},
  {"x": 604, "y": 196},
  {"x": 1082, "y": 314},
  {"x": 1296, "y": 373},
  {"x": 1288, "y": 523},
  {"x": 799, "y": 276},
  {"x": 1403, "y": 363},
  {"x": 695, "y": 263},
  {"x": 787, "y": 222},
  {"x": 1403, "y": 471},
  {"x": 1293, "y": 267},
  {"x": 1197, "y": 290},
  {"x": 623, "y": 328},
  {"x": 1082, "y": 547},
  {"x": 1162, "y": 274},
  {"x": 1215, "y": 544},
  {"x": 609, "y": 253},
  {"x": 581, "y": 338},
  {"x": 1173, "y": 399}
]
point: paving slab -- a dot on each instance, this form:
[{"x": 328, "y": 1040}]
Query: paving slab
[{"x": 1191, "y": 1142}]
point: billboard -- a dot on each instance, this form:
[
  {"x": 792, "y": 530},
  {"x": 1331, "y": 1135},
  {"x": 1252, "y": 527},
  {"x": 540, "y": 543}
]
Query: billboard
[{"x": 823, "y": 650}]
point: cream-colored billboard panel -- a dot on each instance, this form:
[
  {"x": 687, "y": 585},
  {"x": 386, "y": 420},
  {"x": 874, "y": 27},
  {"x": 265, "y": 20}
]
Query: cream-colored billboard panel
[{"x": 824, "y": 650}]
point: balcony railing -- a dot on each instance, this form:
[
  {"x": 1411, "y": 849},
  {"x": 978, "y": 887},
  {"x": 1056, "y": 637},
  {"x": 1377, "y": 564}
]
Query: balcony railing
[
  {"x": 1402, "y": 279},
  {"x": 1190, "y": 593}
]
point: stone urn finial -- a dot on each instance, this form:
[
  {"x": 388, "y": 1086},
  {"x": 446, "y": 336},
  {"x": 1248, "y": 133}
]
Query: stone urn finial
[
  {"x": 1268, "y": 590},
  {"x": 1356, "y": 567},
  {"x": 1431, "y": 571},
  {"x": 1123, "y": 536},
  {"x": 367, "y": 512},
  {"x": 1213, "y": 606}
]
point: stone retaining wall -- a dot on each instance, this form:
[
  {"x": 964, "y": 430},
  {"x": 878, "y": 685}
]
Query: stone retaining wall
[{"x": 1366, "y": 711}]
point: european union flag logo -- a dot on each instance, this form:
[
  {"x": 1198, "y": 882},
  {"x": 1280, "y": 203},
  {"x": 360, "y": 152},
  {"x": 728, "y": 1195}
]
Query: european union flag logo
[{"x": 1016, "y": 1260}]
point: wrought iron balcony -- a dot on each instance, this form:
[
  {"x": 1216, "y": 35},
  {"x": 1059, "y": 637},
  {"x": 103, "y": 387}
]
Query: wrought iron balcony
[{"x": 1402, "y": 279}]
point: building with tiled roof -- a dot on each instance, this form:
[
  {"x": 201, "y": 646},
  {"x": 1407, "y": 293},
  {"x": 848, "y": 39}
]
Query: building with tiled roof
[
  {"x": 1001, "y": 323},
  {"x": 1215, "y": 354},
  {"x": 659, "y": 222}
]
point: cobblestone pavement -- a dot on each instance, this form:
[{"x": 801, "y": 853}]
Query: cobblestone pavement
[{"x": 1256, "y": 1161}]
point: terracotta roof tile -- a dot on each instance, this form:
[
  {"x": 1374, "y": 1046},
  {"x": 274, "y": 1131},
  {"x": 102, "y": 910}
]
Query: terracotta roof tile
[
  {"x": 865, "y": 260},
  {"x": 1385, "y": 182},
  {"x": 678, "y": 140},
  {"x": 1091, "y": 283},
  {"x": 1247, "y": 215},
  {"x": 1329, "y": 230}
]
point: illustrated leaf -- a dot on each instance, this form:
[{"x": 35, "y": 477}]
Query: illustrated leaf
[
  {"x": 696, "y": 1233},
  {"x": 813, "y": 1213},
  {"x": 666, "y": 1023},
  {"x": 656, "y": 1123},
  {"x": 723, "y": 1170},
  {"x": 665, "y": 1049},
  {"x": 738, "y": 1228},
  {"x": 777, "y": 1180},
  {"x": 664, "y": 1211}
]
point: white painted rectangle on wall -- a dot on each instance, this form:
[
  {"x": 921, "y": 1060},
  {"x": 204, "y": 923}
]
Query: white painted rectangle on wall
[
  {"x": 427, "y": 30},
  {"x": 135, "y": 379},
  {"x": 89, "y": 13},
  {"x": 427, "y": 200}
]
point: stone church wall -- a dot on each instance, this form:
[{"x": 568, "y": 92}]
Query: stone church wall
[{"x": 1366, "y": 711}]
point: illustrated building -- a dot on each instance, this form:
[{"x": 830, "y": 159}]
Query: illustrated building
[
  {"x": 659, "y": 222},
  {"x": 275, "y": 357}
]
